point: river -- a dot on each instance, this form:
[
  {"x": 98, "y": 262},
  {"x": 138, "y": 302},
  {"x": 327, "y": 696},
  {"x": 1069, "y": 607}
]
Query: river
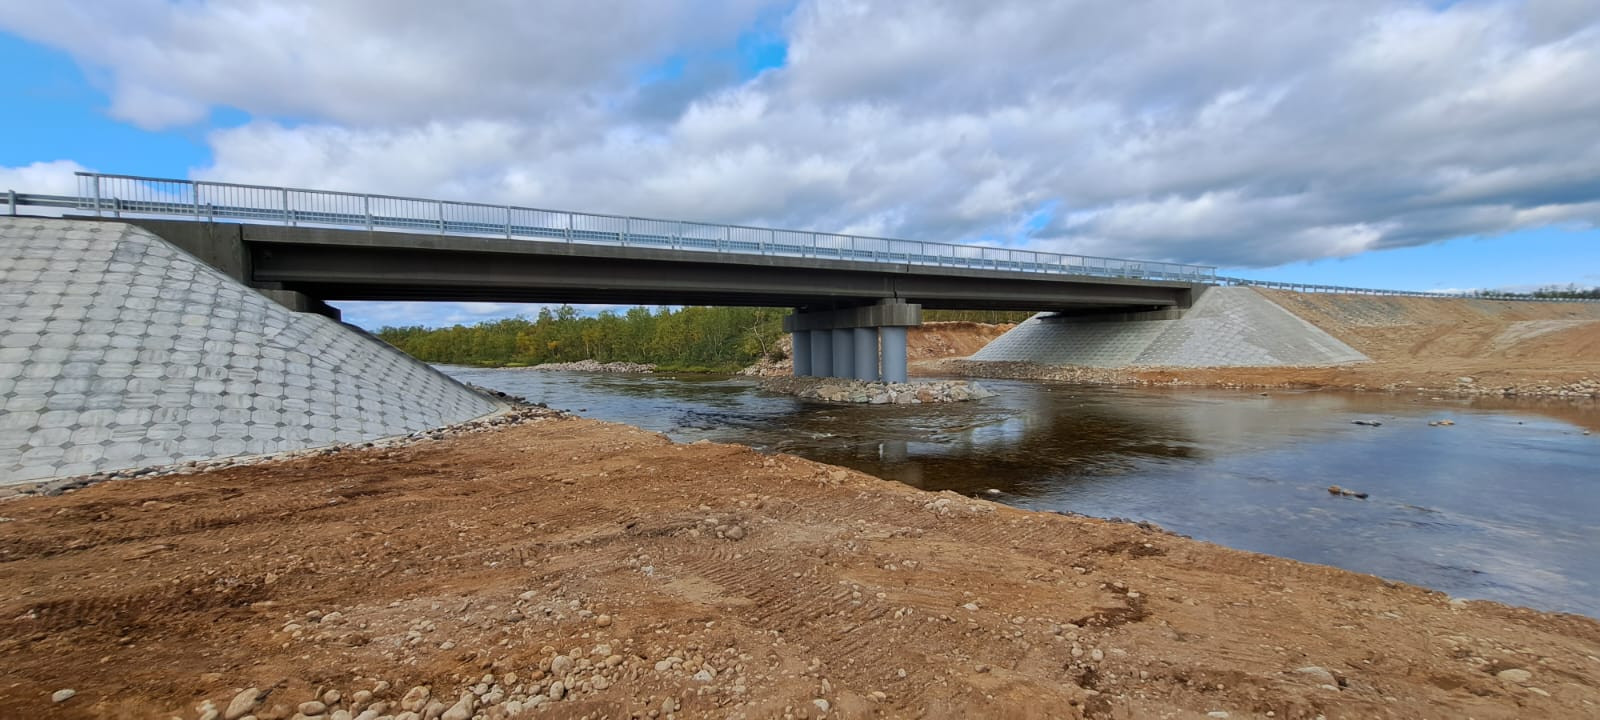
[{"x": 1504, "y": 505}]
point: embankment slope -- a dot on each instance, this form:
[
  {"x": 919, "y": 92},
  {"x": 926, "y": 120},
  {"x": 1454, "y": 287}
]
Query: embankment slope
[
  {"x": 118, "y": 350},
  {"x": 1413, "y": 343},
  {"x": 719, "y": 582}
]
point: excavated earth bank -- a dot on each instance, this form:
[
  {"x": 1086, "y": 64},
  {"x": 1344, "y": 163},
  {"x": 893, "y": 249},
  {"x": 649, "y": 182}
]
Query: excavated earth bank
[{"x": 1433, "y": 346}]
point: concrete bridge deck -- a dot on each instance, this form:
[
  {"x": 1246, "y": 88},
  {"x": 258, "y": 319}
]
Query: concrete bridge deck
[{"x": 345, "y": 246}]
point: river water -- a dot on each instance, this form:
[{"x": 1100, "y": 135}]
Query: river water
[{"x": 1503, "y": 505}]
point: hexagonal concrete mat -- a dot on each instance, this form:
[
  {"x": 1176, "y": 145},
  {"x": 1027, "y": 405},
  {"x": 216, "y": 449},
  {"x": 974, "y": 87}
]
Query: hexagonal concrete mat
[{"x": 118, "y": 350}]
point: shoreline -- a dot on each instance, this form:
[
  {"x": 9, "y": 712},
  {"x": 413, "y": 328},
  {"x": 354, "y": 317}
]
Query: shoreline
[
  {"x": 720, "y": 582},
  {"x": 1579, "y": 384}
]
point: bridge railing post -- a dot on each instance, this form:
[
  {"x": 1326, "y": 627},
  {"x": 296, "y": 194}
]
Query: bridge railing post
[
  {"x": 441, "y": 216},
  {"x": 508, "y": 222},
  {"x": 569, "y": 228},
  {"x": 366, "y": 209},
  {"x": 97, "y": 195}
]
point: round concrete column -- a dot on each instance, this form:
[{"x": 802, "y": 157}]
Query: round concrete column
[
  {"x": 800, "y": 352},
  {"x": 844, "y": 358},
  {"x": 866, "y": 347},
  {"x": 894, "y": 354},
  {"x": 821, "y": 353}
]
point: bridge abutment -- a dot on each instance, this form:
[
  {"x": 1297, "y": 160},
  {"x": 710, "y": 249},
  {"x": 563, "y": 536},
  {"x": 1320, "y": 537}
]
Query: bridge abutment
[{"x": 863, "y": 343}]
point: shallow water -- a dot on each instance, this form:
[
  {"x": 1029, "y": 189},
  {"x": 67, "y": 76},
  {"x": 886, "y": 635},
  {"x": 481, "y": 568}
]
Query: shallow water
[{"x": 1504, "y": 505}]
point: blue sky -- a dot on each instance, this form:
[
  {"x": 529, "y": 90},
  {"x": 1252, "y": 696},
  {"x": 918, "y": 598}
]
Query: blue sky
[{"x": 946, "y": 121}]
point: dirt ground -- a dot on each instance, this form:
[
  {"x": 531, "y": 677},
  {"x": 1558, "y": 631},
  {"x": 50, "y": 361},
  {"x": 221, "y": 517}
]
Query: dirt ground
[
  {"x": 649, "y": 579},
  {"x": 1431, "y": 345},
  {"x": 934, "y": 340}
]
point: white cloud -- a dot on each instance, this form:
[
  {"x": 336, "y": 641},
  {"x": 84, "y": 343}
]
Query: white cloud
[
  {"x": 1241, "y": 133},
  {"x": 42, "y": 178}
]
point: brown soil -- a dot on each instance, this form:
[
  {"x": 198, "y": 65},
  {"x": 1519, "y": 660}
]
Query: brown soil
[
  {"x": 494, "y": 552},
  {"x": 935, "y": 340},
  {"x": 1416, "y": 344}
]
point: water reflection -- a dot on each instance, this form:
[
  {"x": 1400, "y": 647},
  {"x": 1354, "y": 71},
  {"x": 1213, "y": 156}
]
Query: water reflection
[{"x": 1503, "y": 505}]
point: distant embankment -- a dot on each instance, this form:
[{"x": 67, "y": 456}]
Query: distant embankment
[
  {"x": 118, "y": 350},
  {"x": 1272, "y": 338}
]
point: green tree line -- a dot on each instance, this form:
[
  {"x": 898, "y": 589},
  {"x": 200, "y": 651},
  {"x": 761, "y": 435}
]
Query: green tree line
[{"x": 704, "y": 339}]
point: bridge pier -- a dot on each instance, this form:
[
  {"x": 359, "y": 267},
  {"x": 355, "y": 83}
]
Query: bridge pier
[
  {"x": 844, "y": 354},
  {"x": 862, "y": 343},
  {"x": 866, "y": 347},
  {"x": 800, "y": 352},
  {"x": 894, "y": 354},
  {"x": 821, "y": 353}
]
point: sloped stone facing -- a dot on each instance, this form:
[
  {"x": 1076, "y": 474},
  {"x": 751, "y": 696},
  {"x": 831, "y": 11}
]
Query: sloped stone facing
[
  {"x": 1238, "y": 327},
  {"x": 1227, "y": 327},
  {"x": 118, "y": 350},
  {"x": 1051, "y": 341}
]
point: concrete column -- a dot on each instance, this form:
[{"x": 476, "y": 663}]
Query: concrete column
[
  {"x": 844, "y": 358},
  {"x": 866, "y": 360},
  {"x": 894, "y": 354},
  {"x": 821, "y": 353},
  {"x": 800, "y": 352}
]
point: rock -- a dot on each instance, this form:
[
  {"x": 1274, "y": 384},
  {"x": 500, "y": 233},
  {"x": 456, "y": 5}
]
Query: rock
[
  {"x": 313, "y": 707},
  {"x": 415, "y": 699},
  {"x": 463, "y": 708},
  {"x": 1317, "y": 675},
  {"x": 558, "y": 690},
  {"x": 331, "y": 697},
  {"x": 242, "y": 704},
  {"x": 704, "y": 675},
  {"x": 1514, "y": 675},
  {"x": 1336, "y": 490},
  {"x": 560, "y": 665},
  {"x": 602, "y": 621},
  {"x": 63, "y": 695},
  {"x": 1217, "y": 714},
  {"x": 340, "y": 714},
  {"x": 1368, "y": 423},
  {"x": 734, "y": 533},
  {"x": 822, "y": 705},
  {"x": 970, "y": 607}
]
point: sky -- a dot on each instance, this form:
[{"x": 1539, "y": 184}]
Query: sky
[{"x": 1370, "y": 143}]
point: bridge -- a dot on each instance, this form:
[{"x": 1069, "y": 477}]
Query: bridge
[{"x": 852, "y": 294}]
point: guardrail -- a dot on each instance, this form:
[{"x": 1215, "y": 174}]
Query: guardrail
[
  {"x": 1339, "y": 289},
  {"x": 135, "y": 196}
]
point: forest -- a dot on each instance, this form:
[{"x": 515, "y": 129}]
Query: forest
[{"x": 681, "y": 339}]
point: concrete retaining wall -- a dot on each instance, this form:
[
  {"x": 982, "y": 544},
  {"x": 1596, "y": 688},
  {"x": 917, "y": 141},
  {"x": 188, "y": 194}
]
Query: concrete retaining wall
[
  {"x": 118, "y": 350},
  {"x": 1227, "y": 327}
]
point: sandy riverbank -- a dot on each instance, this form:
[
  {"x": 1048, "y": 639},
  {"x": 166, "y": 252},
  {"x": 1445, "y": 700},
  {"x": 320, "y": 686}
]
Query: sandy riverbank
[{"x": 709, "y": 581}]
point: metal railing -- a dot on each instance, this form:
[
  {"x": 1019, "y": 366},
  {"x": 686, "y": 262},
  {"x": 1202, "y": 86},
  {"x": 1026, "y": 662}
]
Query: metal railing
[
  {"x": 133, "y": 196},
  {"x": 1342, "y": 290}
]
